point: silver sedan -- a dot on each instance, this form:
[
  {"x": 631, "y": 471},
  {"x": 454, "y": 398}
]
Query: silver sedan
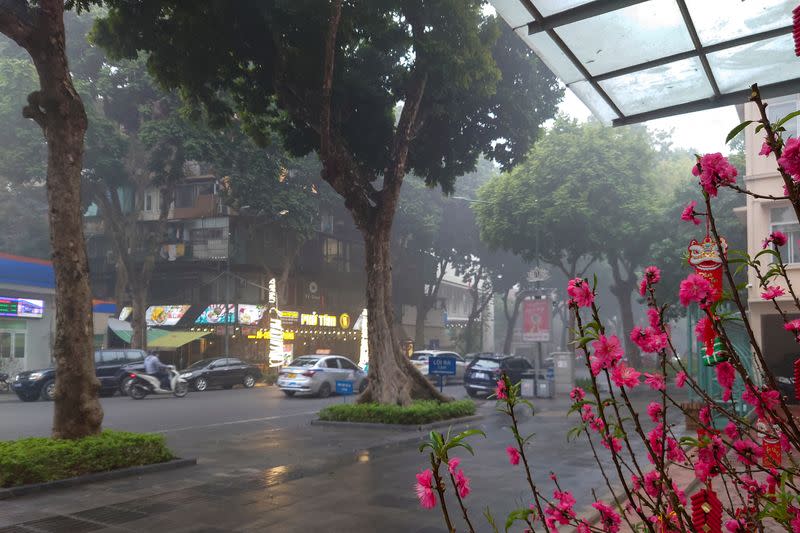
[{"x": 318, "y": 374}]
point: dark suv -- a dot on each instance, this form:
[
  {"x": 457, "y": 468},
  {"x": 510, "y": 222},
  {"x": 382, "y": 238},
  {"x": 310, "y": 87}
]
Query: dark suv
[
  {"x": 480, "y": 378},
  {"x": 112, "y": 368}
]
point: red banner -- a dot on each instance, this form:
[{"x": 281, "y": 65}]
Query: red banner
[{"x": 536, "y": 320}]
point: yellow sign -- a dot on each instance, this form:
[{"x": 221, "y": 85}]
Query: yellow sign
[
  {"x": 313, "y": 319},
  {"x": 263, "y": 334},
  {"x": 344, "y": 321}
]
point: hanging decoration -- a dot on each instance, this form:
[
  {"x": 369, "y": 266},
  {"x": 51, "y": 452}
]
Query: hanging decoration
[
  {"x": 706, "y": 260},
  {"x": 797, "y": 378},
  {"x": 706, "y": 511}
]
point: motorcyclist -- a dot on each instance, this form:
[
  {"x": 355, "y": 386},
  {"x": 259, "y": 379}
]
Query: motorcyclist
[{"x": 154, "y": 367}]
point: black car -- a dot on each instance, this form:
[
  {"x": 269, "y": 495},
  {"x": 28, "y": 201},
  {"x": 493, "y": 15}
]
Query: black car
[
  {"x": 222, "y": 372},
  {"x": 112, "y": 368},
  {"x": 480, "y": 378}
]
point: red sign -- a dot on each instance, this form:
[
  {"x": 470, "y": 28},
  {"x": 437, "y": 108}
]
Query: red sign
[
  {"x": 772, "y": 452},
  {"x": 536, "y": 320}
]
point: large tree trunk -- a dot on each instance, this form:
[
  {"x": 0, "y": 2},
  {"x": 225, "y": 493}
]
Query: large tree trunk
[
  {"x": 511, "y": 319},
  {"x": 58, "y": 109},
  {"x": 138, "y": 314},
  {"x": 392, "y": 377}
]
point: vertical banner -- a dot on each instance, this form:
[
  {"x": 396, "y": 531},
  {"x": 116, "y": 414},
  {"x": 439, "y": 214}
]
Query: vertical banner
[
  {"x": 276, "y": 350},
  {"x": 536, "y": 320},
  {"x": 361, "y": 323}
]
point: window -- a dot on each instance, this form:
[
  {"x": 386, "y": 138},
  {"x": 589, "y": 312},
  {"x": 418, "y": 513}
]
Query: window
[
  {"x": 783, "y": 219},
  {"x": 134, "y": 356},
  {"x": 336, "y": 253},
  {"x": 326, "y": 223},
  {"x": 778, "y": 110},
  {"x": 5, "y": 344},
  {"x": 185, "y": 196},
  {"x": 19, "y": 345},
  {"x": 331, "y": 363},
  {"x": 486, "y": 364},
  {"x": 148, "y": 202},
  {"x": 109, "y": 357},
  {"x": 234, "y": 361},
  {"x": 305, "y": 361},
  {"x": 347, "y": 364}
]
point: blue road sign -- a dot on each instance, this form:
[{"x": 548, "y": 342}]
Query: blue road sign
[
  {"x": 442, "y": 366},
  {"x": 550, "y": 373},
  {"x": 344, "y": 388}
]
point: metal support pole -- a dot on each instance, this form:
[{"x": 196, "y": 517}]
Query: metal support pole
[{"x": 227, "y": 294}]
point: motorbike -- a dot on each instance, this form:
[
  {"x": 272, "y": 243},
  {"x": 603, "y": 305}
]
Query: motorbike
[
  {"x": 143, "y": 384},
  {"x": 4, "y": 385}
]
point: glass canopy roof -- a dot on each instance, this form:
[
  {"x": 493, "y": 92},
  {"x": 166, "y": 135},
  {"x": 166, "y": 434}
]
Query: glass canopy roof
[{"x": 635, "y": 60}]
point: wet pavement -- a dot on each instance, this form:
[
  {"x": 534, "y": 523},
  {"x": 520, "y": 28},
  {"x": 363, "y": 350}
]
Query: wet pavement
[{"x": 288, "y": 475}]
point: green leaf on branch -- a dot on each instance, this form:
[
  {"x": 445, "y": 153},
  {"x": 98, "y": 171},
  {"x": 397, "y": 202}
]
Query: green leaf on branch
[
  {"x": 735, "y": 131},
  {"x": 517, "y": 515},
  {"x": 788, "y": 117},
  {"x": 489, "y": 518}
]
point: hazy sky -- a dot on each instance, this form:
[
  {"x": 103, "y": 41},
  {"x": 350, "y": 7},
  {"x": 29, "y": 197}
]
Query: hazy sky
[{"x": 704, "y": 131}]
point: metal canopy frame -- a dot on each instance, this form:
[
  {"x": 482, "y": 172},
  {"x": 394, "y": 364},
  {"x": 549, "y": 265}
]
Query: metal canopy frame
[{"x": 549, "y": 25}]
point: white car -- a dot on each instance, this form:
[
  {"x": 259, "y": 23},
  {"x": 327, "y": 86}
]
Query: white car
[
  {"x": 420, "y": 360},
  {"x": 318, "y": 374}
]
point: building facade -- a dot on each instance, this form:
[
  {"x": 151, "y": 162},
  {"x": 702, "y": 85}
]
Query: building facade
[
  {"x": 763, "y": 217},
  {"x": 28, "y": 311}
]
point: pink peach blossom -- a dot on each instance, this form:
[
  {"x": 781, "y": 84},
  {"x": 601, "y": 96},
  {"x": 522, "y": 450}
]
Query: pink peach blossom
[
  {"x": 714, "y": 171},
  {"x": 680, "y": 379},
  {"x": 689, "y": 214},
  {"x": 580, "y": 292},
  {"x": 696, "y": 288},
  {"x": 772, "y": 292},
  {"x": 766, "y": 149},
  {"x": 513, "y": 455},
  {"x": 655, "y": 381},
  {"x": 655, "y": 411},
  {"x": 624, "y": 376},
  {"x": 790, "y": 158},
  {"x": 424, "y": 489}
]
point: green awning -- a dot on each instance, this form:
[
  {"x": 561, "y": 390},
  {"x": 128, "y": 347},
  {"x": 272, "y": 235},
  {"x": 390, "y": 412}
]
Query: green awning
[
  {"x": 174, "y": 339},
  {"x": 152, "y": 334}
]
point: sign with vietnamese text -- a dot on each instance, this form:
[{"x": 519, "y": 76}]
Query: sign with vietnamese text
[
  {"x": 442, "y": 365},
  {"x": 536, "y": 320},
  {"x": 21, "y": 307},
  {"x": 344, "y": 388}
]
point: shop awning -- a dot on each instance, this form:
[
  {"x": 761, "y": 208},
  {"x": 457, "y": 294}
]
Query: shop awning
[
  {"x": 156, "y": 338},
  {"x": 174, "y": 339},
  {"x": 635, "y": 60}
]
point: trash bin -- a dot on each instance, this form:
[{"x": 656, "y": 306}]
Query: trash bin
[
  {"x": 528, "y": 385},
  {"x": 544, "y": 386}
]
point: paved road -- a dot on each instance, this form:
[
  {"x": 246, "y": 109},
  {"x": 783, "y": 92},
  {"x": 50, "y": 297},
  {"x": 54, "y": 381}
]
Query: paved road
[{"x": 263, "y": 467}]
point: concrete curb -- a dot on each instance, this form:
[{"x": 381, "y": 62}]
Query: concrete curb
[
  {"x": 399, "y": 427},
  {"x": 22, "y": 490}
]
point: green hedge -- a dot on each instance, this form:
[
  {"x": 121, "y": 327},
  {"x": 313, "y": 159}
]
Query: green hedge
[
  {"x": 420, "y": 412},
  {"x": 36, "y": 460}
]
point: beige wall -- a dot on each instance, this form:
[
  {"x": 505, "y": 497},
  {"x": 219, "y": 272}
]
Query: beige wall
[{"x": 762, "y": 178}]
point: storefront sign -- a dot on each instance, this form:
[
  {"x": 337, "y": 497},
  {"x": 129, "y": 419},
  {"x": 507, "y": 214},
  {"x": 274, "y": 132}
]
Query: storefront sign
[
  {"x": 21, "y": 307},
  {"x": 215, "y": 314},
  {"x": 251, "y": 315},
  {"x": 265, "y": 335},
  {"x": 313, "y": 319},
  {"x": 165, "y": 315},
  {"x": 536, "y": 320}
]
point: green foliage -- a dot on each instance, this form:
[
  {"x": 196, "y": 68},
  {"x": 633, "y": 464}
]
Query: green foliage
[
  {"x": 23, "y": 152},
  {"x": 25, "y": 229},
  {"x": 265, "y": 66},
  {"x": 440, "y": 444},
  {"x": 41, "y": 459},
  {"x": 419, "y": 412}
]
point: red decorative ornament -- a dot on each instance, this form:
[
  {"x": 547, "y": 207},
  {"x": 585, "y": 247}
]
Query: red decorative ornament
[
  {"x": 797, "y": 378},
  {"x": 796, "y": 30},
  {"x": 706, "y": 260},
  {"x": 706, "y": 511}
]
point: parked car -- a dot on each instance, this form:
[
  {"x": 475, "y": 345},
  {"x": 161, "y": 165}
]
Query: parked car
[
  {"x": 112, "y": 368},
  {"x": 318, "y": 374},
  {"x": 222, "y": 372},
  {"x": 786, "y": 388},
  {"x": 420, "y": 360},
  {"x": 482, "y": 374}
]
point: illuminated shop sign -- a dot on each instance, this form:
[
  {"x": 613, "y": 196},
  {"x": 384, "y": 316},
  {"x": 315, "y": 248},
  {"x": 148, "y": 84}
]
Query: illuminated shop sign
[
  {"x": 21, "y": 307},
  {"x": 263, "y": 334}
]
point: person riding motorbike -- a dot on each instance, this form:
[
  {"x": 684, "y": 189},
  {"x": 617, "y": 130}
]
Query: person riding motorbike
[{"x": 157, "y": 369}]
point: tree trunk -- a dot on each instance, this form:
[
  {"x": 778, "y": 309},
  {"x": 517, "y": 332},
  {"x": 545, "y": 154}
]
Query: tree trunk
[
  {"x": 622, "y": 289},
  {"x": 139, "y": 315},
  {"x": 392, "y": 377},
  {"x": 419, "y": 324},
  {"x": 511, "y": 320},
  {"x": 58, "y": 109}
]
